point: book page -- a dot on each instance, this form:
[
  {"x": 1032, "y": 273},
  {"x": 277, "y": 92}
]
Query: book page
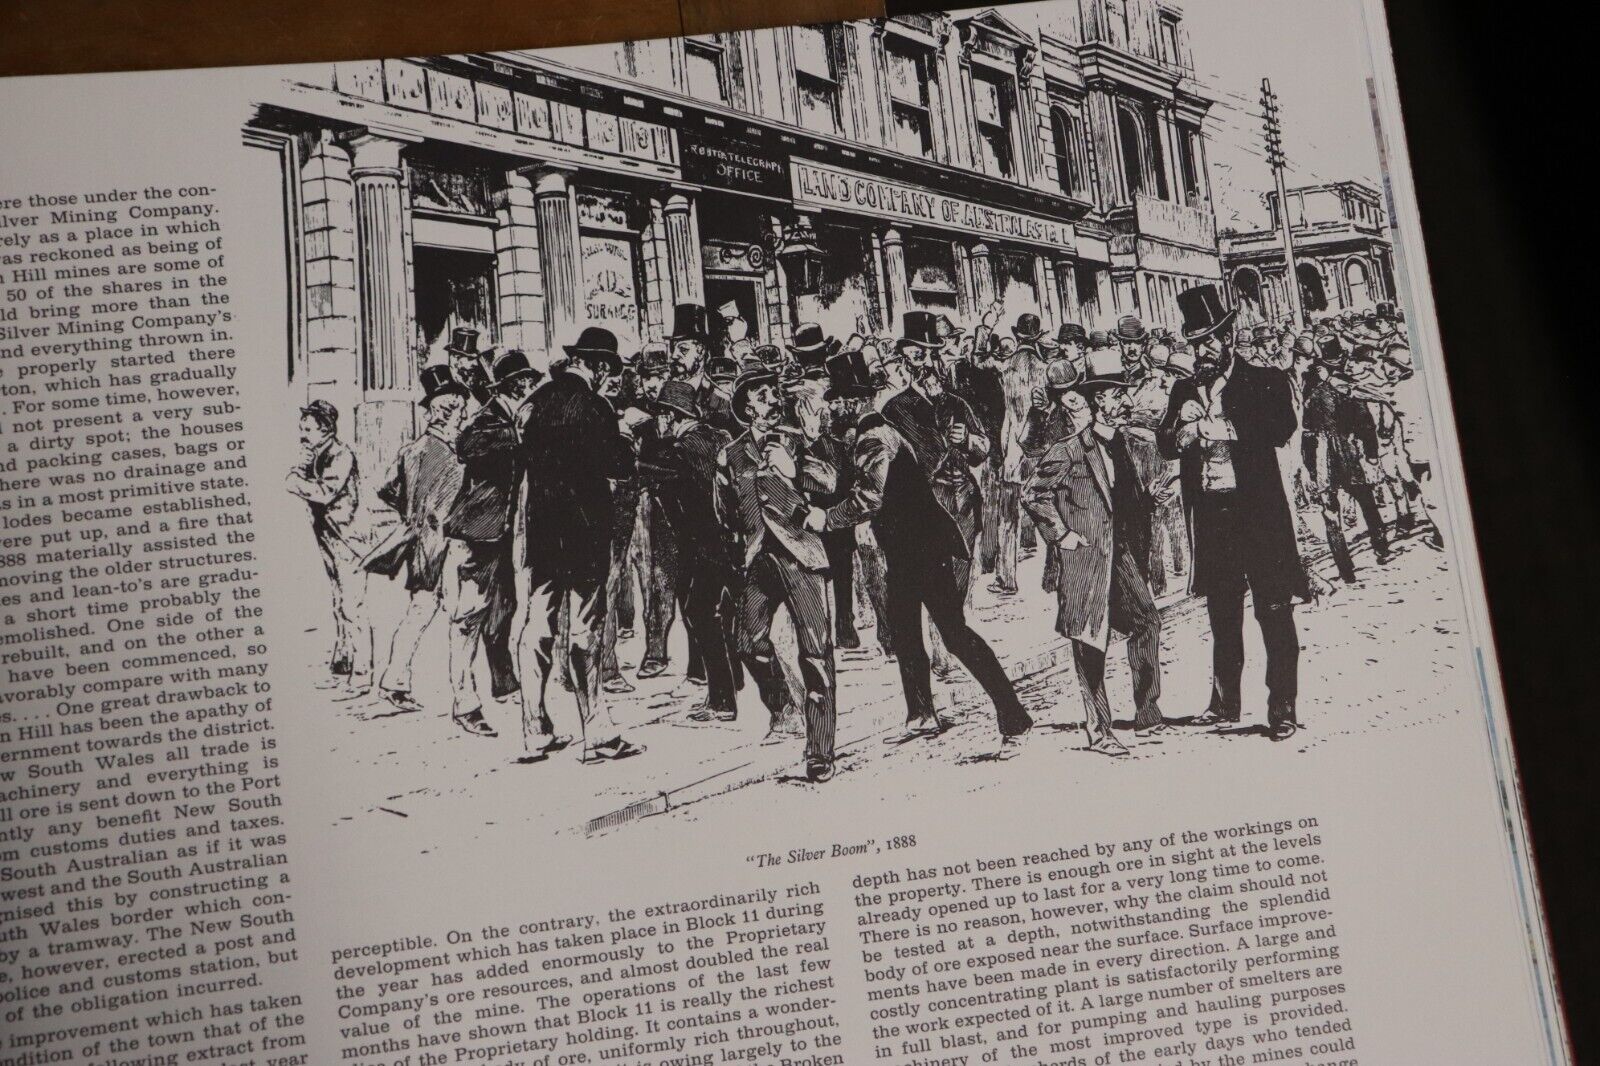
[{"x": 829, "y": 544}]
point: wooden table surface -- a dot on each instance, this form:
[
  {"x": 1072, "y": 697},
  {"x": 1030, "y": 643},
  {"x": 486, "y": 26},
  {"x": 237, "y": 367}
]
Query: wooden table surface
[{"x": 75, "y": 36}]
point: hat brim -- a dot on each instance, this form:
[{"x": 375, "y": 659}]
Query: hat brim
[
  {"x": 657, "y": 406},
  {"x": 1096, "y": 384},
  {"x": 518, "y": 375},
  {"x": 849, "y": 392},
  {"x": 1212, "y": 330},
  {"x": 613, "y": 360},
  {"x": 452, "y": 389},
  {"x": 1027, "y": 336}
]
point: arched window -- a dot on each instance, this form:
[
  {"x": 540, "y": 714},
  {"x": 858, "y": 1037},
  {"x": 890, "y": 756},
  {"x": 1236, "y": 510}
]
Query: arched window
[
  {"x": 1247, "y": 289},
  {"x": 1141, "y": 161},
  {"x": 1072, "y": 169},
  {"x": 1358, "y": 281},
  {"x": 1313, "y": 294},
  {"x": 1133, "y": 154}
]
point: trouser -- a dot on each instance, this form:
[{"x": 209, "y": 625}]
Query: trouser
[
  {"x": 619, "y": 609},
  {"x": 841, "y": 548},
  {"x": 991, "y": 538},
  {"x": 1333, "y": 519},
  {"x": 541, "y": 629},
  {"x": 869, "y": 561},
  {"x": 421, "y": 608},
  {"x": 660, "y": 585},
  {"x": 964, "y": 505},
  {"x": 1169, "y": 541},
  {"x": 347, "y": 586},
  {"x": 1133, "y": 611},
  {"x": 776, "y": 579},
  {"x": 1282, "y": 645},
  {"x": 1007, "y": 512},
  {"x": 914, "y": 584},
  {"x": 479, "y": 599},
  {"x": 704, "y": 602}
]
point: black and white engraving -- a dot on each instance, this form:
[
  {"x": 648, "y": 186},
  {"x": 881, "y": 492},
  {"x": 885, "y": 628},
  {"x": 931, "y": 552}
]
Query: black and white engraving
[{"x": 793, "y": 409}]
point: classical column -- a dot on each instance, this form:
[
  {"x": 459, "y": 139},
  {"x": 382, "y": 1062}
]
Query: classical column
[
  {"x": 333, "y": 308},
  {"x": 520, "y": 287},
  {"x": 899, "y": 282},
  {"x": 558, "y": 254},
  {"x": 684, "y": 263},
  {"x": 982, "y": 277},
  {"x": 381, "y": 279},
  {"x": 1044, "y": 282},
  {"x": 1067, "y": 284}
]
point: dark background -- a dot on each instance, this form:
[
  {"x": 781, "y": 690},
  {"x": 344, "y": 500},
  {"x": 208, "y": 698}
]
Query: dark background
[{"x": 1499, "y": 132}]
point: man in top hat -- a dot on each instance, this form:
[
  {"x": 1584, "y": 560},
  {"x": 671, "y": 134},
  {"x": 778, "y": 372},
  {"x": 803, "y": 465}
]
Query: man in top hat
[
  {"x": 922, "y": 544},
  {"x": 763, "y": 480},
  {"x": 466, "y": 365},
  {"x": 479, "y": 586},
  {"x": 1340, "y": 450},
  {"x": 1091, "y": 501},
  {"x": 1224, "y": 426},
  {"x": 327, "y": 478},
  {"x": 681, "y": 470},
  {"x": 572, "y": 448},
  {"x": 690, "y": 342},
  {"x": 421, "y": 487},
  {"x": 949, "y": 440}
]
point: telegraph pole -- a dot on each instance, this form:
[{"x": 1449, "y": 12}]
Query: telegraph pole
[{"x": 1274, "y": 139}]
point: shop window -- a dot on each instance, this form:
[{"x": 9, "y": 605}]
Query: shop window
[
  {"x": 1015, "y": 287},
  {"x": 816, "y": 70},
  {"x": 611, "y": 284},
  {"x": 993, "y": 107},
  {"x": 1072, "y": 164},
  {"x": 911, "y": 96},
  {"x": 930, "y": 266},
  {"x": 453, "y": 287}
]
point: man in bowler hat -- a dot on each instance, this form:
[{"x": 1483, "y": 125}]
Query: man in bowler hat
[
  {"x": 764, "y": 482},
  {"x": 572, "y": 449},
  {"x": 1225, "y": 426},
  {"x": 421, "y": 487},
  {"x": 479, "y": 591}
]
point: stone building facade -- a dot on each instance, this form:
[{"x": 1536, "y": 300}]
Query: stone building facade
[
  {"x": 1343, "y": 254},
  {"x": 1050, "y": 158}
]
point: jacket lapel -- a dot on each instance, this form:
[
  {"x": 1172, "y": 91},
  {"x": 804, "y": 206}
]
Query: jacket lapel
[{"x": 1096, "y": 459}]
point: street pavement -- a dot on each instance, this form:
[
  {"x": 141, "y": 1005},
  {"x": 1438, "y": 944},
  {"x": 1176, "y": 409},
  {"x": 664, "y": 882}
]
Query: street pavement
[{"x": 416, "y": 782}]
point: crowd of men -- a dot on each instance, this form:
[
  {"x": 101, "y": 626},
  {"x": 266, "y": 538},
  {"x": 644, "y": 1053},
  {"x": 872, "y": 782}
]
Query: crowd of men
[{"x": 718, "y": 480}]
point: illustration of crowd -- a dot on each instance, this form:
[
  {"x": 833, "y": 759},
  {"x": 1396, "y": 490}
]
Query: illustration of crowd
[{"x": 711, "y": 479}]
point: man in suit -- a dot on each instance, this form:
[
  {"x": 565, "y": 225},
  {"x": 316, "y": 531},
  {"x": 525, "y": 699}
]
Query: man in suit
[
  {"x": 1340, "y": 450},
  {"x": 1022, "y": 375},
  {"x": 762, "y": 481},
  {"x": 923, "y": 546},
  {"x": 681, "y": 469},
  {"x": 479, "y": 594},
  {"x": 690, "y": 342},
  {"x": 572, "y": 449},
  {"x": 1224, "y": 426},
  {"x": 949, "y": 441},
  {"x": 466, "y": 366},
  {"x": 327, "y": 479},
  {"x": 421, "y": 487},
  {"x": 1089, "y": 499}
]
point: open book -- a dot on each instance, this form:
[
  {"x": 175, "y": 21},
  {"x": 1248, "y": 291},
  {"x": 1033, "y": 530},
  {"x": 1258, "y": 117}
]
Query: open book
[{"x": 935, "y": 540}]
